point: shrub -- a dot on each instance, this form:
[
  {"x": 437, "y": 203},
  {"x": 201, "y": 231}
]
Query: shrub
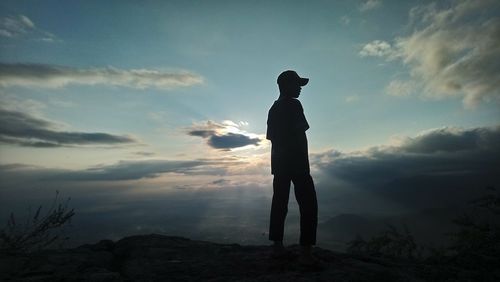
[
  {"x": 474, "y": 247},
  {"x": 477, "y": 242},
  {"x": 38, "y": 232},
  {"x": 390, "y": 243}
]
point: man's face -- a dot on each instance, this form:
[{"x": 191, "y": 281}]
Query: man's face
[{"x": 293, "y": 90}]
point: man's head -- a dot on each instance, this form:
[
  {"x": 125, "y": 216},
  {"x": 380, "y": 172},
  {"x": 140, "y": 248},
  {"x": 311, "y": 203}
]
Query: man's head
[{"x": 290, "y": 83}]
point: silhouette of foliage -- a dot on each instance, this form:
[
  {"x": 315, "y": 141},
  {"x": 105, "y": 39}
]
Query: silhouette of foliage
[
  {"x": 478, "y": 236},
  {"x": 473, "y": 253},
  {"x": 390, "y": 243},
  {"x": 38, "y": 232},
  {"x": 490, "y": 202},
  {"x": 477, "y": 242}
]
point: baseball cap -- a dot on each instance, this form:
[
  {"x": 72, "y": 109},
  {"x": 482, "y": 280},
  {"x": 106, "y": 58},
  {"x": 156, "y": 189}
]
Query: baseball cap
[{"x": 291, "y": 77}]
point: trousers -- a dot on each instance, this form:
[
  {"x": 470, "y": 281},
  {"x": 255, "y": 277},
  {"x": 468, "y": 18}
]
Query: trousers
[{"x": 305, "y": 194}]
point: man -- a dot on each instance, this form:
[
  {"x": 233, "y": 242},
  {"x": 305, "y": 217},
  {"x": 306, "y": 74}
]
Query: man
[{"x": 286, "y": 128}]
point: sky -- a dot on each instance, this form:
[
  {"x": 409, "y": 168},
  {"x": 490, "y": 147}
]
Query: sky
[{"x": 151, "y": 115}]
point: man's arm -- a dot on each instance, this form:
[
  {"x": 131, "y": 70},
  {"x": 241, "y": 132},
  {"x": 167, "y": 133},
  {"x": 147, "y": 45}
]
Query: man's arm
[{"x": 299, "y": 122}]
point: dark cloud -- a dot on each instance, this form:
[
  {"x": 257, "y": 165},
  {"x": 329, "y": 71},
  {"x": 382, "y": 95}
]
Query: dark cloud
[
  {"x": 438, "y": 167},
  {"x": 231, "y": 140},
  {"x": 202, "y": 133},
  {"x": 219, "y": 137},
  {"x": 123, "y": 170},
  {"x": 220, "y": 181},
  {"x": 452, "y": 140},
  {"x": 54, "y": 76},
  {"x": 14, "y": 166},
  {"x": 133, "y": 170},
  {"x": 26, "y": 130},
  {"x": 144, "y": 153}
]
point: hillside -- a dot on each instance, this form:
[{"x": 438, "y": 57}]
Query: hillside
[{"x": 164, "y": 258}]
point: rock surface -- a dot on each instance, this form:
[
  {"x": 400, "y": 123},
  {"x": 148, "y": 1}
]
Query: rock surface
[{"x": 165, "y": 258}]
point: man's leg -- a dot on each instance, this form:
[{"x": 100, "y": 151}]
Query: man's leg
[
  {"x": 279, "y": 207},
  {"x": 308, "y": 205}
]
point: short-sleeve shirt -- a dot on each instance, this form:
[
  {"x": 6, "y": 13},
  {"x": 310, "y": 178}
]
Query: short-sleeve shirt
[{"x": 286, "y": 128}]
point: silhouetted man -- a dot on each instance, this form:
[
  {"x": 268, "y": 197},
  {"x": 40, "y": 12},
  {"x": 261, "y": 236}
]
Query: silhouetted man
[{"x": 286, "y": 128}]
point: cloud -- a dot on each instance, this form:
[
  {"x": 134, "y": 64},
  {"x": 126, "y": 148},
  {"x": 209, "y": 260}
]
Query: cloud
[
  {"x": 352, "y": 98},
  {"x": 452, "y": 52},
  {"x": 12, "y": 102},
  {"x": 122, "y": 170},
  {"x": 422, "y": 170},
  {"x": 134, "y": 170},
  {"x": 370, "y": 5},
  {"x": 13, "y": 26},
  {"x": 219, "y": 181},
  {"x": 400, "y": 88},
  {"x": 345, "y": 20},
  {"x": 454, "y": 140},
  {"x": 376, "y": 48},
  {"x": 231, "y": 140},
  {"x": 22, "y": 26},
  {"x": 54, "y": 76},
  {"x": 226, "y": 135},
  {"x": 24, "y": 129},
  {"x": 144, "y": 153}
]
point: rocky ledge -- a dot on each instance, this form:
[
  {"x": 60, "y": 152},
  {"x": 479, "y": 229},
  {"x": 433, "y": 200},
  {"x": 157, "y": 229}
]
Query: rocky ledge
[{"x": 165, "y": 258}]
